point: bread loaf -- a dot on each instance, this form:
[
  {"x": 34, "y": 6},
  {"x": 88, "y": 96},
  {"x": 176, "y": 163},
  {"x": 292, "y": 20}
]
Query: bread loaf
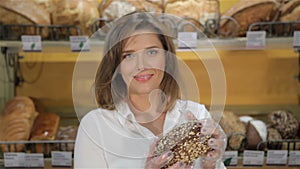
[
  {"x": 247, "y": 12},
  {"x": 19, "y": 12},
  {"x": 18, "y": 118},
  {"x": 285, "y": 122},
  {"x": 112, "y": 9},
  {"x": 256, "y": 134},
  {"x": 17, "y": 9},
  {"x": 273, "y": 138},
  {"x": 291, "y": 12},
  {"x": 186, "y": 142},
  {"x": 80, "y": 13},
  {"x": 45, "y": 128},
  {"x": 185, "y": 8},
  {"x": 234, "y": 129},
  {"x": 66, "y": 133}
]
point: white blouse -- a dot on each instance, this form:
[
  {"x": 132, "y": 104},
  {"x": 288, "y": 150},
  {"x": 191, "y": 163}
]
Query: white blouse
[{"x": 112, "y": 139}]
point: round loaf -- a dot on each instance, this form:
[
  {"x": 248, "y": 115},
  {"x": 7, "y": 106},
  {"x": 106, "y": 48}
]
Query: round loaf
[
  {"x": 285, "y": 122},
  {"x": 256, "y": 134}
]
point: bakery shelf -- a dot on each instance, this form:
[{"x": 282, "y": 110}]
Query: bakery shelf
[
  {"x": 60, "y": 51},
  {"x": 37, "y": 146}
]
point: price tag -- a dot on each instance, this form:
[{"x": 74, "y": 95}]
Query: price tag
[
  {"x": 253, "y": 157},
  {"x": 187, "y": 40},
  {"x": 34, "y": 160},
  {"x": 31, "y": 43},
  {"x": 79, "y": 43},
  {"x": 294, "y": 158},
  {"x": 230, "y": 158},
  {"x": 256, "y": 39},
  {"x": 277, "y": 157},
  {"x": 61, "y": 158},
  {"x": 296, "y": 39},
  {"x": 14, "y": 159}
]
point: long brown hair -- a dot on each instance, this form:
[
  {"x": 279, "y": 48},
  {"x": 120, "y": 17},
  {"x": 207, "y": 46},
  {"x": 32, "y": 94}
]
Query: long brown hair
[{"x": 112, "y": 57}]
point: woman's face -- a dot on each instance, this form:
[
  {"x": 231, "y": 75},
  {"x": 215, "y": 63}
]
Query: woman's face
[{"x": 143, "y": 61}]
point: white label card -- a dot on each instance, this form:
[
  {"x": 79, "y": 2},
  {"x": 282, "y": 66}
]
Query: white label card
[
  {"x": 80, "y": 43},
  {"x": 277, "y": 157},
  {"x": 61, "y": 158},
  {"x": 34, "y": 160},
  {"x": 296, "y": 39},
  {"x": 187, "y": 40},
  {"x": 256, "y": 39},
  {"x": 31, "y": 43},
  {"x": 230, "y": 158},
  {"x": 14, "y": 159},
  {"x": 253, "y": 157},
  {"x": 294, "y": 158}
]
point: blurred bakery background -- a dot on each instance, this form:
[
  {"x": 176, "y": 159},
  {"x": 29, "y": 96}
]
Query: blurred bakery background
[{"x": 262, "y": 108}]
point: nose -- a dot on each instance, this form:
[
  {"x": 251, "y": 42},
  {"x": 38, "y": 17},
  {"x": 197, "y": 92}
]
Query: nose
[{"x": 140, "y": 64}]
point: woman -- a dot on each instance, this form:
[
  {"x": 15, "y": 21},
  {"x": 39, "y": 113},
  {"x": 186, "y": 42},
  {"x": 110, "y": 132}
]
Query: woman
[{"x": 138, "y": 91}]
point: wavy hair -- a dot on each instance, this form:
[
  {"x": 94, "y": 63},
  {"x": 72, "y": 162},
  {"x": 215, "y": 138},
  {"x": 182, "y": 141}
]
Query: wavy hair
[{"x": 112, "y": 57}]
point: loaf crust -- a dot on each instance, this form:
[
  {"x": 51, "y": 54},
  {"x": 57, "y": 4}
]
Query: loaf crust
[
  {"x": 247, "y": 12},
  {"x": 45, "y": 128},
  {"x": 234, "y": 129},
  {"x": 25, "y": 9},
  {"x": 18, "y": 118}
]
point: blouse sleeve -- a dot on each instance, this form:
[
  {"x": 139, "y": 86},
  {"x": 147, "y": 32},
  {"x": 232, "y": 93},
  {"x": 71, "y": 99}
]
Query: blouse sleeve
[{"x": 88, "y": 153}]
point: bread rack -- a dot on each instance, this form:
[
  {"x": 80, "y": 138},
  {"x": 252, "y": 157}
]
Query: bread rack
[
  {"x": 48, "y": 32},
  {"x": 276, "y": 28},
  {"x": 45, "y": 146},
  {"x": 289, "y": 144}
]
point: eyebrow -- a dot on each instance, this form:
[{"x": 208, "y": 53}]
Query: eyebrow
[{"x": 150, "y": 47}]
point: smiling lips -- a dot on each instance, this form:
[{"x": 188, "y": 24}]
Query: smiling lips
[{"x": 143, "y": 77}]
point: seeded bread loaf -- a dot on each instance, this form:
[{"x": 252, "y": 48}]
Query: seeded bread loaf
[
  {"x": 285, "y": 122},
  {"x": 186, "y": 142}
]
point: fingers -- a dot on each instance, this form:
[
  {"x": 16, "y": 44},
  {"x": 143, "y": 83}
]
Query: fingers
[
  {"x": 151, "y": 151},
  {"x": 190, "y": 116},
  {"x": 159, "y": 161},
  {"x": 179, "y": 165},
  {"x": 214, "y": 154}
]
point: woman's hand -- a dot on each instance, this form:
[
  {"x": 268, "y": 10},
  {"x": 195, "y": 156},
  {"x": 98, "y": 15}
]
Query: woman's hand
[
  {"x": 157, "y": 162},
  {"x": 217, "y": 142}
]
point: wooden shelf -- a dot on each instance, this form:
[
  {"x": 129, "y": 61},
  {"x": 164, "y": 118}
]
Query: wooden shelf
[{"x": 60, "y": 51}]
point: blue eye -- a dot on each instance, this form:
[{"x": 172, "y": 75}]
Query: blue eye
[
  {"x": 128, "y": 56},
  {"x": 152, "y": 52}
]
